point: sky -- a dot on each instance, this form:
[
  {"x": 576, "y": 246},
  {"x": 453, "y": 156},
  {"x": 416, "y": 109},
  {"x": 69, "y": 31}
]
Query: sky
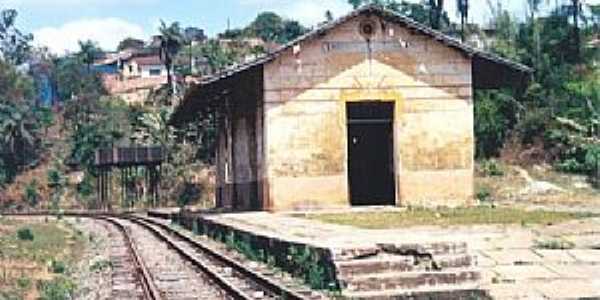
[{"x": 59, "y": 24}]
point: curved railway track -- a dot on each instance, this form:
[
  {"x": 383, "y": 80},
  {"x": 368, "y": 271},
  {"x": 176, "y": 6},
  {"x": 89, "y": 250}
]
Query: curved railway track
[
  {"x": 131, "y": 279},
  {"x": 167, "y": 264}
]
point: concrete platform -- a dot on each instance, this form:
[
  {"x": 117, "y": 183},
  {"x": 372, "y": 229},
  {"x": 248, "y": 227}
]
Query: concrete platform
[
  {"x": 501, "y": 260},
  {"x": 365, "y": 264}
]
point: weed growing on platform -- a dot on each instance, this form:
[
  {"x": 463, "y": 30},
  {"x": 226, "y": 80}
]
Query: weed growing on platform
[
  {"x": 447, "y": 217},
  {"x": 554, "y": 244},
  {"x": 307, "y": 264},
  {"x": 303, "y": 262}
]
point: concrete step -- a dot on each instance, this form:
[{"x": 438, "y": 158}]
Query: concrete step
[
  {"x": 411, "y": 280},
  {"x": 431, "y": 249},
  {"x": 399, "y": 263},
  {"x": 465, "y": 291}
]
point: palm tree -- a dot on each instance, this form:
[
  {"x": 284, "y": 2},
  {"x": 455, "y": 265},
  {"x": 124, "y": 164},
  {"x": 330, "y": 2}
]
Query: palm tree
[
  {"x": 576, "y": 9},
  {"x": 171, "y": 41},
  {"x": 534, "y": 6},
  {"x": 463, "y": 9},
  {"x": 435, "y": 14},
  {"x": 16, "y": 129}
]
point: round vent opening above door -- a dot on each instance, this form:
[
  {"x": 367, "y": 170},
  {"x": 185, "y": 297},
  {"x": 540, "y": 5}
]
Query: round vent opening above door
[{"x": 368, "y": 29}]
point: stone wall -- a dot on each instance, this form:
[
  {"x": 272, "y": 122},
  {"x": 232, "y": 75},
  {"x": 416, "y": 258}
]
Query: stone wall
[{"x": 305, "y": 93}]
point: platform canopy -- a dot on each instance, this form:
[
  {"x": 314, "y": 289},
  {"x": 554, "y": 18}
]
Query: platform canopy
[{"x": 489, "y": 70}]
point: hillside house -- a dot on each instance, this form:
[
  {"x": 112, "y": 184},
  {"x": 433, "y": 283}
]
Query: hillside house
[
  {"x": 371, "y": 109},
  {"x": 144, "y": 67}
]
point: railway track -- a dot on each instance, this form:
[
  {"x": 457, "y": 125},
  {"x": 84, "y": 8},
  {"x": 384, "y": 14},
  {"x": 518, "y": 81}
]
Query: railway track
[
  {"x": 235, "y": 279},
  {"x": 153, "y": 261},
  {"x": 130, "y": 277}
]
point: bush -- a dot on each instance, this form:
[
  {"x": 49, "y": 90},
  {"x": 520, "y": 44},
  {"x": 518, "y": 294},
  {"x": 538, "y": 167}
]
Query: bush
[
  {"x": 31, "y": 195},
  {"x": 189, "y": 193},
  {"x": 100, "y": 265},
  {"x": 533, "y": 125},
  {"x": 57, "y": 289},
  {"x": 570, "y": 165},
  {"x": 491, "y": 168},
  {"x": 483, "y": 194},
  {"x": 57, "y": 267},
  {"x": 24, "y": 283},
  {"x": 592, "y": 158},
  {"x": 25, "y": 234},
  {"x": 495, "y": 114}
]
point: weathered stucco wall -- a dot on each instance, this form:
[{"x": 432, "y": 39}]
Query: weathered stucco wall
[{"x": 305, "y": 94}]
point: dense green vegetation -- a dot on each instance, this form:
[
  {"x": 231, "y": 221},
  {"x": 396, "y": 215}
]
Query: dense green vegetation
[
  {"x": 557, "y": 114},
  {"x": 20, "y": 119}
]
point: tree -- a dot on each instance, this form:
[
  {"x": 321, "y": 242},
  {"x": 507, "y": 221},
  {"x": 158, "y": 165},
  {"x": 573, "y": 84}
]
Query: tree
[
  {"x": 436, "y": 9},
  {"x": 291, "y": 30},
  {"x": 31, "y": 194},
  {"x": 194, "y": 34},
  {"x": 462, "y": 7},
  {"x": 88, "y": 52},
  {"x": 267, "y": 26},
  {"x": 270, "y": 27},
  {"x": 595, "y": 16},
  {"x": 56, "y": 183},
  {"x": 14, "y": 45},
  {"x": 19, "y": 124},
  {"x": 328, "y": 16},
  {"x": 388, "y": 4},
  {"x": 217, "y": 57},
  {"x": 533, "y": 9},
  {"x": 130, "y": 43},
  {"x": 576, "y": 8},
  {"x": 18, "y": 121},
  {"x": 191, "y": 36},
  {"x": 171, "y": 41}
]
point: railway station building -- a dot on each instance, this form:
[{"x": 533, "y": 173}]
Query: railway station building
[{"x": 371, "y": 109}]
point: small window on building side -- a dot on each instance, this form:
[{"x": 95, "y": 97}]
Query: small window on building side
[{"x": 155, "y": 72}]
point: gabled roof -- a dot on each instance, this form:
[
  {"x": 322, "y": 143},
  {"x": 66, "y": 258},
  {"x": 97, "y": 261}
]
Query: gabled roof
[
  {"x": 489, "y": 70},
  {"x": 385, "y": 14}
]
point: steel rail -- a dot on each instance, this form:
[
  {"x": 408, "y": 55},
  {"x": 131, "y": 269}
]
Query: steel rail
[
  {"x": 150, "y": 290},
  {"x": 259, "y": 279}
]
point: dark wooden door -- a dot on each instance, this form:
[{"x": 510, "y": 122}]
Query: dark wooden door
[{"x": 370, "y": 153}]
